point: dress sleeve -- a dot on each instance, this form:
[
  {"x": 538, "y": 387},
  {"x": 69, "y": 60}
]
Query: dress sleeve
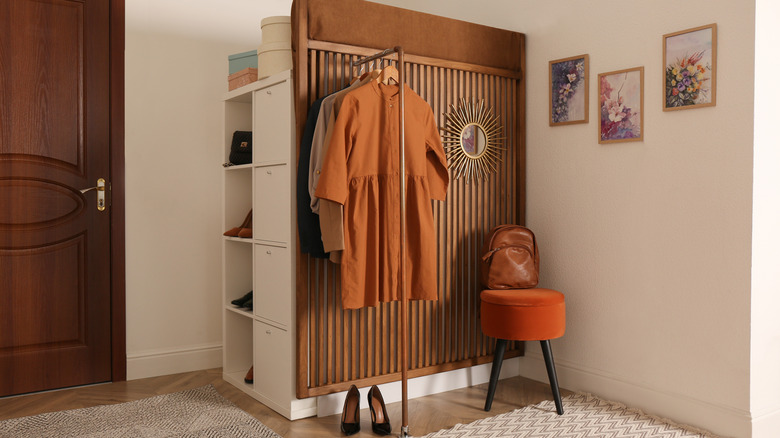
[
  {"x": 317, "y": 154},
  {"x": 436, "y": 161},
  {"x": 334, "y": 177}
]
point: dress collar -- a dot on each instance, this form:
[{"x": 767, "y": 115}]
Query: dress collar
[{"x": 386, "y": 92}]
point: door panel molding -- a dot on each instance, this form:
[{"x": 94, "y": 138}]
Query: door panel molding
[
  {"x": 69, "y": 256},
  {"x": 62, "y": 203},
  {"x": 57, "y": 135}
]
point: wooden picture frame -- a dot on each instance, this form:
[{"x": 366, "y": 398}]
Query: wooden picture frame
[
  {"x": 569, "y": 86},
  {"x": 621, "y": 105},
  {"x": 690, "y": 67}
]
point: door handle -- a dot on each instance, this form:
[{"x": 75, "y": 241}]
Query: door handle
[{"x": 101, "y": 193}]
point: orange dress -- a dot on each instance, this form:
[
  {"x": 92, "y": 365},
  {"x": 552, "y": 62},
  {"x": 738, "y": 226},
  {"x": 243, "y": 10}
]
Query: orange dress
[{"x": 361, "y": 171}]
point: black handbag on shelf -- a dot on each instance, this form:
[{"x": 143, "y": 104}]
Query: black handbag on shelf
[{"x": 241, "y": 148}]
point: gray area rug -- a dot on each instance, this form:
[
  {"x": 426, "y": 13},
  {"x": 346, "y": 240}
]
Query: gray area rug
[
  {"x": 584, "y": 416},
  {"x": 199, "y": 412}
]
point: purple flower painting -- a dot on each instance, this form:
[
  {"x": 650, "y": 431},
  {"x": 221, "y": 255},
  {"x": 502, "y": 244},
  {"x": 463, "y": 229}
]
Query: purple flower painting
[
  {"x": 689, "y": 68},
  {"x": 621, "y": 105},
  {"x": 569, "y": 90}
]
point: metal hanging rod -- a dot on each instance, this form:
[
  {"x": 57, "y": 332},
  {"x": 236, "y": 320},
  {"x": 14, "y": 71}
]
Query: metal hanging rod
[
  {"x": 404, "y": 322},
  {"x": 381, "y": 54}
]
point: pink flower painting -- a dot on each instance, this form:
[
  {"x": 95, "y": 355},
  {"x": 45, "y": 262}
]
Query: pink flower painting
[{"x": 621, "y": 105}]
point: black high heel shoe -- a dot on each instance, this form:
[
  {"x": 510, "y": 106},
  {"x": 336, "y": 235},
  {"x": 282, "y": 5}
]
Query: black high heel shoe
[
  {"x": 380, "y": 422},
  {"x": 240, "y": 302},
  {"x": 350, "y": 416}
]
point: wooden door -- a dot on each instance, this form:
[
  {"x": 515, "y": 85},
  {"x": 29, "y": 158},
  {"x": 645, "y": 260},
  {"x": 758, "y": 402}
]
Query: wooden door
[{"x": 55, "y": 244}]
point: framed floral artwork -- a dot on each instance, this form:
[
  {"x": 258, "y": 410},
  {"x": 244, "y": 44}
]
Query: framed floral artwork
[
  {"x": 569, "y": 90},
  {"x": 689, "y": 68},
  {"x": 621, "y": 105}
]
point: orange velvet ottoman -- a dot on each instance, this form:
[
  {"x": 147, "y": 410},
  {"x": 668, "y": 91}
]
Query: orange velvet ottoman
[{"x": 523, "y": 315}]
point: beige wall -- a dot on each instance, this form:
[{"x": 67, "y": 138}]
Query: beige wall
[
  {"x": 650, "y": 241},
  {"x": 176, "y": 73}
]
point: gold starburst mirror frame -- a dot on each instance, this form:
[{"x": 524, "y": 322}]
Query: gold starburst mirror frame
[{"x": 472, "y": 140}]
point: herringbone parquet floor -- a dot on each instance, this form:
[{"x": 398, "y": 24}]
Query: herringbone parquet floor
[{"x": 426, "y": 414}]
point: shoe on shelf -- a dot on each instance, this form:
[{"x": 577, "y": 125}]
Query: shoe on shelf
[
  {"x": 233, "y": 232},
  {"x": 350, "y": 416},
  {"x": 248, "y": 304},
  {"x": 246, "y": 230},
  {"x": 380, "y": 422},
  {"x": 250, "y": 375},
  {"x": 241, "y": 302}
]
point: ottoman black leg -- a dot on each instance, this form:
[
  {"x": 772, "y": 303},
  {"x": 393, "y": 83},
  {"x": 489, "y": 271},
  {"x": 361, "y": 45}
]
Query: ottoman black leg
[
  {"x": 498, "y": 357},
  {"x": 548, "y": 360}
]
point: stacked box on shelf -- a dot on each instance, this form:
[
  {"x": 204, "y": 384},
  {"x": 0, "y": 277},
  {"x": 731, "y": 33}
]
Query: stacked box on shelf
[
  {"x": 242, "y": 69},
  {"x": 275, "y": 53}
]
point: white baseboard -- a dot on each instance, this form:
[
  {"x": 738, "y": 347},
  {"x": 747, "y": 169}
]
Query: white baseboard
[
  {"x": 172, "y": 361},
  {"x": 680, "y": 408},
  {"x": 426, "y": 385},
  {"x": 683, "y": 409},
  {"x": 766, "y": 425},
  {"x": 294, "y": 410}
]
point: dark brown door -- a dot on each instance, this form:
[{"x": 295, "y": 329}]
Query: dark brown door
[{"x": 55, "y": 280}]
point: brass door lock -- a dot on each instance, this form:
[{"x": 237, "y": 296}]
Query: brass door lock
[{"x": 101, "y": 193}]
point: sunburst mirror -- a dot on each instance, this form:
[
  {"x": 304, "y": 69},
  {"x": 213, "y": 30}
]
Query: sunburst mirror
[{"x": 472, "y": 140}]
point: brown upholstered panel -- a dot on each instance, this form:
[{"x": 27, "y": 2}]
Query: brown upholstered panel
[{"x": 366, "y": 24}]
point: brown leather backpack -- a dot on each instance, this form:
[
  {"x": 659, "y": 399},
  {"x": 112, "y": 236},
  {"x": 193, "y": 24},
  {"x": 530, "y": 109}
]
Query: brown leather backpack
[{"x": 510, "y": 258}]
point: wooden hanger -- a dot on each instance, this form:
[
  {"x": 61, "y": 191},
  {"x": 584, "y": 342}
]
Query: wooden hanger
[
  {"x": 388, "y": 73},
  {"x": 360, "y": 75},
  {"x": 367, "y": 76}
]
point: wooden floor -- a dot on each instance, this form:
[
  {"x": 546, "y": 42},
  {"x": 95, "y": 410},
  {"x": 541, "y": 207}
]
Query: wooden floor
[{"x": 426, "y": 414}]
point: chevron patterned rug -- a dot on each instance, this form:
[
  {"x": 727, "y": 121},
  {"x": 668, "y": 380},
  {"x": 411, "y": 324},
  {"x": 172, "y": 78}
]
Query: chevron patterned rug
[
  {"x": 199, "y": 412},
  {"x": 585, "y": 416}
]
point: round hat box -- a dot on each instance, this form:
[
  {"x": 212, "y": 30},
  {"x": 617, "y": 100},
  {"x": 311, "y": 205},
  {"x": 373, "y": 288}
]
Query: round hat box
[
  {"x": 276, "y": 29},
  {"x": 273, "y": 58}
]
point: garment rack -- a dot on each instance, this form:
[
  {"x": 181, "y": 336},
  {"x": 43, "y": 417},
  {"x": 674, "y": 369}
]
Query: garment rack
[{"x": 402, "y": 177}]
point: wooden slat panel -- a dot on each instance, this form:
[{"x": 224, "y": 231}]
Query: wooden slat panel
[
  {"x": 452, "y": 229},
  {"x": 439, "y": 109},
  {"x": 320, "y": 328},
  {"x": 361, "y": 346},
  {"x": 326, "y": 46},
  {"x": 312, "y": 350}
]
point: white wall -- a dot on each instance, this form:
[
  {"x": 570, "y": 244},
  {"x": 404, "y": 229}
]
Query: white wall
[
  {"x": 650, "y": 241},
  {"x": 765, "y": 336},
  {"x": 176, "y": 73}
]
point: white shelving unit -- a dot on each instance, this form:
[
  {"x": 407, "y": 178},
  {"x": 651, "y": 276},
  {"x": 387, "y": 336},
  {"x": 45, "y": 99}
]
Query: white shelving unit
[{"x": 265, "y": 264}]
